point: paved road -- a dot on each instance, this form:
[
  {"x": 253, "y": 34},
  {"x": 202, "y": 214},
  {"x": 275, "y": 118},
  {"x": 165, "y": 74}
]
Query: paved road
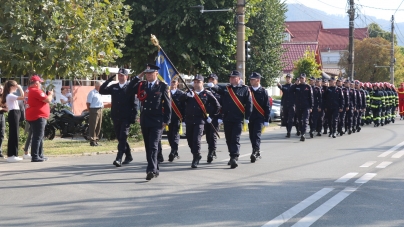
[{"x": 354, "y": 180}]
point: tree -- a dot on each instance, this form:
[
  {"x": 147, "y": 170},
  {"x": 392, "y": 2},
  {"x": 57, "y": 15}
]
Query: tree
[
  {"x": 62, "y": 38},
  {"x": 307, "y": 65},
  {"x": 375, "y": 30},
  {"x": 267, "y": 26}
]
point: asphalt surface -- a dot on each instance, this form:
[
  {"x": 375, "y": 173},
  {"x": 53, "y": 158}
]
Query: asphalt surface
[{"x": 353, "y": 180}]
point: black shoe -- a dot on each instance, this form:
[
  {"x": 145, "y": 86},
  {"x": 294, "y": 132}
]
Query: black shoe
[
  {"x": 151, "y": 175},
  {"x": 382, "y": 124},
  {"x": 117, "y": 163},
  {"x": 353, "y": 130},
  {"x": 349, "y": 132},
  {"x": 311, "y": 135},
  {"x": 392, "y": 120},
  {"x": 211, "y": 156},
  {"x": 255, "y": 155},
  {"x": 37, "y": 160},
  {"x": 196, "y": 160},
  {"x": 127, "y": 161},
  {"x": 298, "y": 133},
  {"x": 233, "y": 163},
  {"x": 302, "y": 138},
  {"x": 329, "y": 135},
  {"x": 173, "y": 155},
  {"x": 358, "y": 129},
  {"x": 160, "y": 158},
  {"x": 318, "y": 133},
  {"x": 287, "y": 135},
  {"x": 341, "y": 133},
  {"x": 334, "y": 136},
  {"x": 325, "y": 132},
  {"x": 228, "y": 163},
  {"x": 93, "y": 144}
]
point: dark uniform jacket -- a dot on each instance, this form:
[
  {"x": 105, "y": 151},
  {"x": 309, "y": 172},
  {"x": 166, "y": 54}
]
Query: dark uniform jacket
[
  {"x": 288, "y": 97},
  {"x": 156, "y": 108},
  {"x": 352, "y": 98},
  {"x": 193, "y": 111},
  {"x": 318, "y": 97},
  {"x": 303, "y": 96},
  {"x": 363, "y": 98},
  {"x": 263, "y": 100},
  {"x": 345, "y": 92},
  {"x": 209, "y": 108},
  {"x": 358, "y": 100},
  {"x": 376, "y": 98},
  {"x": 123, "y": 107},
  {"x": 334, "y": 98},
  {"x": 181, "y": 107},
  {"x": 229, "y": 109}
]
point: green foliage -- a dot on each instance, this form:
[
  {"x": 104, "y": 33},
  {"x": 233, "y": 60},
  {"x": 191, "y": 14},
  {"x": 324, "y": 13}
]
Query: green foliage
[
  {"x": 107, "y": 127},
  {"x": 307, "y": 64},
  {"x": 267, "y": 25},
  {"x": 375, "y": 30},
  {"x": 63, "y": 38}
]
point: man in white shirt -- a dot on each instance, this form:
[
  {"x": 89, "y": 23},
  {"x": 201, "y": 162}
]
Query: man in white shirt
[{"x": 95, "y": 105}]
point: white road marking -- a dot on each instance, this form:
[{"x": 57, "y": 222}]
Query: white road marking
[
  {"x": 297, "y": 208},
  {"x": 346, "y": 178},
  {"x": 365, "y": 178},
  {"x": 367, "y": 164},
  {"x": 324, "y": 208},
  {"x": 391, "y": 150},
  {"x": 383, "y": 165},
  {"x": 398, "y": 154}
]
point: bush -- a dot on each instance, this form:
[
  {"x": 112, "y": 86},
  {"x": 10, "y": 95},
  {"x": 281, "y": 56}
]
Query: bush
[{"x": 107, "y": 127}]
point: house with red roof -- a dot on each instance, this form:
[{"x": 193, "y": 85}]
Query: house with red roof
[{"x": 331, "y": 43}]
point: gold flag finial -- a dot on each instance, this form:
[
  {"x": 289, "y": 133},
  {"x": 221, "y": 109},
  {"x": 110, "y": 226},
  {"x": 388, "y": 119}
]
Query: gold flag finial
[{"x": 154, "y": 40}]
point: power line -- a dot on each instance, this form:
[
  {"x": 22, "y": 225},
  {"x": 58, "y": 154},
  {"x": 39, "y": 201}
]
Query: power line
[
  {"x": 371, "y": 7},
  {"x": 398, "y": 29},
  {"x": 398, "y": 7},
  {"x": 331, "y": 5}
]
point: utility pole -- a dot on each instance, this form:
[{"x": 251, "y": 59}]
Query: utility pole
[
  {"x": 240, "y": 16},
  {"x": 392, "y": 59},
  {"x": 351, "y": 13}
]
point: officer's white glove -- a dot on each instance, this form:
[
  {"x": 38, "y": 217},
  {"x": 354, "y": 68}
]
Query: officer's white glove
[
  {"x": 209, "y": 120},
  {"x": 190, "y": 94},
  {"x": 219, "y": 121},
  {"x": 183, "y": 124},
  {"x": 210, "y": 84},
  {"x": 266, "y": 124},
  {"x": 247, "y": 121}
]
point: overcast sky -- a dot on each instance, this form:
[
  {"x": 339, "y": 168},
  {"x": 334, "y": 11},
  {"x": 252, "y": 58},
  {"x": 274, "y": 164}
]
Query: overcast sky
[{"x": 338, "y": 7}]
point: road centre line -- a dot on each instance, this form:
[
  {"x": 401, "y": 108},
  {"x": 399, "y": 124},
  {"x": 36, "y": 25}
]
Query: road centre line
[
  {"x": 346, "y": 177},
  {"x": 398, "y": 154},
  {"x": 368, "y": 164},
  {"x": 383, "y": 165},
  {"x": 391, "y": 150},
  {"x": 324, "y": 208},
  {"x": 284, "y": 217},
  {"x": 365, "y": 178}
]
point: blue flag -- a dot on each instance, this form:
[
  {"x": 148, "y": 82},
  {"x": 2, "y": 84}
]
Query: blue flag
[{"x": 166, "y": 72}]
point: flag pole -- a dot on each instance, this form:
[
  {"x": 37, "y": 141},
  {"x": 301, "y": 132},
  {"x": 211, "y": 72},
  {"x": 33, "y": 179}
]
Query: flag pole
[{"x": 155, "y": 42}]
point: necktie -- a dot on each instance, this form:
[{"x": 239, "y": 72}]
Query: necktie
[{"x": 150, "y": 84}]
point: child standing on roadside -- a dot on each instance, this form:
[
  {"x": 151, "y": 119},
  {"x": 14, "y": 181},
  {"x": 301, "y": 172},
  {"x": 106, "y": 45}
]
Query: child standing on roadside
[{"x": 14, "y": 115}]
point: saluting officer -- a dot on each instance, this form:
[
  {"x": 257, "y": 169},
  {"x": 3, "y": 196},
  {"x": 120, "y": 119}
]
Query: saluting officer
[
  {"x": 196, "y": 115},
  {"x": 237, "y": 107},
  {"x": 288, "y": 105},
  {"x": 155, "y": 113},
  {"x": 123, "y": 113},
  {"x": 317, "y": 108},
  {"x": 177, "y": 117},
  {"x": 211, "y": 137},
  {"x": 335, "y": 103},
  {"x": 260, "y": 115},
  {"x": 304, "y": 104}
]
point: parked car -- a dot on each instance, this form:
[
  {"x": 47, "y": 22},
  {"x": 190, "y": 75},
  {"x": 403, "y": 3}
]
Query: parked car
[{"x": 276, "y": 110}]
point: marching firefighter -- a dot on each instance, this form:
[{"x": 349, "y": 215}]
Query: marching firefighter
[
  {"x": 317, "y": 108},
  {"x": 288, "y": 105},
  {"x": 376, "y": 104},
  {"x": 334, "y": 105},
  {"x": 401, "y": 101}
]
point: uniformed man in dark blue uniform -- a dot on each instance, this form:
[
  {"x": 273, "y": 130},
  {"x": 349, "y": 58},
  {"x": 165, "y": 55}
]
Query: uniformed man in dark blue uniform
[
  {"x": 237, "y": 107},
  {"x": 155, "y": 113},
  {"x": 260, "y": 115},
  {"x": 334, "y": 104},
  {"x": 123, "y": 113},
  {"x": 341, "y": 120},
  {"x": 324, "y": 120},
  {"x": 362, "y": 107},
  {"x": 356, "y": 107},
  {"x": 288, "y": 105},
  {"x": 317, "y": 108},
  {"x": 196, "y": 115},
  {"x": 304, "y": 104},
  {"x": 210, "y": 134},
  {"x": 351, "y": 107},
  {"x": 177, "y": 117}
]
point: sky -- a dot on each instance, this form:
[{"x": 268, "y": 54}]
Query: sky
[{"x": 381, "y": 9}]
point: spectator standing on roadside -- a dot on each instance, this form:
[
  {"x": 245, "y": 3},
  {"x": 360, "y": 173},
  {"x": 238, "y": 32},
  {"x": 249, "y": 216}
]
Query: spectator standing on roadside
[
  {"x": 37, "y": 111},
  {"x": 14, "y": 115},
  {"x": 64, "y": 99},
  {"x": 3, "y": 109},
  {"x": 27, "y": 130},
  {"x": 94, "y": 106}
]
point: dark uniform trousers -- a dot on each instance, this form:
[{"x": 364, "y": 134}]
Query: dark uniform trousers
[
  {"x": 210, "y": 134},
  {"x": 341, "y": 120},
  {"x": 332, "y": 116},
  {"x": 255, "y": 128},
  {"x": 320, "y": 120},
  {"x": 151, "y": 138},
  {"x": 358, "y": 116},
  {"x": 232, "y": 131},
  {"x": 325, "y": 121},
  {"x": 173, "y": 134},
  {"x": 314, "y": 119},
  {"x": 349, "y": 119},
  {"x": 288, "y": 117},
  {"x": 121, "y": 128},
  {"x": 303, "y": 115},
  {"x": 194, "y": 135}
]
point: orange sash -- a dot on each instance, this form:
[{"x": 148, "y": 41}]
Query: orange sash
[
  {"x": 256, "y": 105},
  {"x": 200, "y": 103},
  {"x": 235, "y": 99},
  {"x": 176, "y": 110}
]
